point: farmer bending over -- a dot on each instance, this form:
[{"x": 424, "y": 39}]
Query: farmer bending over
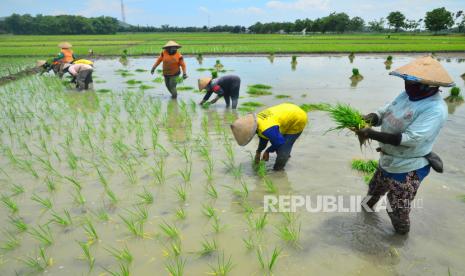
[
  {"x": 66, "y": 55},
  {"x": 409, "y": 127},
  {"x": 226, "y": 86},
  {"x": 82, "y": 74},
  {"x": 280, "y": 124},
  {"x": 172, "y": 61}
]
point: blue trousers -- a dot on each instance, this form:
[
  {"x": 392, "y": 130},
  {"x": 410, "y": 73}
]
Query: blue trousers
[{"x": 284, "y": 151}]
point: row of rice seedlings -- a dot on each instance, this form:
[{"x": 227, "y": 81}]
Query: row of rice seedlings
[
  {"x": 208, "y": 247},
  {"x": 315, "y": 107},
  {"x": 175, "y": 267},
  {"x": 289, "y": 231},
  {"x": 170, "y": 231},
  {"x": 222, "y": 267},
  {"x": 63, "y": 220}
]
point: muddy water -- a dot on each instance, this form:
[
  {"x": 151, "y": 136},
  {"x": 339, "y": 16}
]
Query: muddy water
[{"x": 329, "y": 244}]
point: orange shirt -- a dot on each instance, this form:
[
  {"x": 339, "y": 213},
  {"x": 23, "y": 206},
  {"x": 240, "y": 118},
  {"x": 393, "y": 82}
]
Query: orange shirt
[
  {"x": 68, "y": 55},
  {"x": 171, "y": 63}
]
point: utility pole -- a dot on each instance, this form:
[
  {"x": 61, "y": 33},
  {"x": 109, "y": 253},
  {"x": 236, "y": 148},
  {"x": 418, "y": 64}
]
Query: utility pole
[{"x": 123, "y": 17}]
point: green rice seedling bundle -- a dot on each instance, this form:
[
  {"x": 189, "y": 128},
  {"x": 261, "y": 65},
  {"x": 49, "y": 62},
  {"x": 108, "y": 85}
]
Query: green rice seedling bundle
[
  {"x": 455, "y": 96},
  {"x": 356, "y": 76},
  {"x": 206, "y": 105},
  {"x": 133, "y": 82},
  {"x": 145, "y": 87},
  {"x": 346, "y": 117},
  {"x": 316, "y": 107},
  {"x": 158, "y": 80},
  {"x": 268, "y": 263},
  {"x": 282, "y": 96},
  {"x": 208, "y": 247},
  {"x": 258, "y": 92},
  {"x": 139, "y": 70},
  {"x": 222, "y": 267},
  {"x": 364, "y": 166},
  {"x": 185, "y": 88}
]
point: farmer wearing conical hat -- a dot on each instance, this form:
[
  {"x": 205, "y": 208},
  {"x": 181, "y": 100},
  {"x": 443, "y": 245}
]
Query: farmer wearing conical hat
[
  {"x": 226, "y": 86},
  {"x": 172, "y": 62},
  {"x": 409, "y": 127},
  {"x": 66, "y": 55},
  {"x": 280, "y": 124}
]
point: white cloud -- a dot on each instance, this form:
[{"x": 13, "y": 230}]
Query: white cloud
[
  {"x": 204, "y": 9},
  {"x": 247, "y": 11},
  {"x": 299, "y": 5}
]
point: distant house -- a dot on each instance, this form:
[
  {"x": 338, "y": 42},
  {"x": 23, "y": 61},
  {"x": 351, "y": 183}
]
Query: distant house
[{"x": 304, "y": 31}]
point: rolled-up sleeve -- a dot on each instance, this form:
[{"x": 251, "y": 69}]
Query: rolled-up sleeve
[{"x": 426, "y": 126}]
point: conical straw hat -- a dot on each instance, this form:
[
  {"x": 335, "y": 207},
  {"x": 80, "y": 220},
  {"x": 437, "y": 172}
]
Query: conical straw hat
[
  {"x": 426, "y": 70},
  {"x": 244, "y": 129},
  {"x": 65, "y": 45},
  {"x": 172, "y": 43},
  {"x": 40, "y": 63},
  {"x": 203, "y": 82}
]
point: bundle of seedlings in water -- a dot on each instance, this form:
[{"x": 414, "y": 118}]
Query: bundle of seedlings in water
[
  {"x": 214, "y": 74},
  {"x": 347, "y": 117},
  {"x": 366, "y": 167},
  {"x": 218, "y": 65},
  {"x": 315, "y": 107},
  {"x": 388, "y": 60},
  {"x": 271, "y": 57},
  {"x": 455, "y": 96},
  {"x": 199, "y": 58},
  {"x": 356, "y": 76},
  {"x": 351, "y": 57},
  {"x": 259, "y": 90},
  {"x": 294, "y": 60}
]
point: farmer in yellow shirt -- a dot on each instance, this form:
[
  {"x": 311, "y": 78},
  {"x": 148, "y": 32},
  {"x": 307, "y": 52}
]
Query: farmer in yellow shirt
[{"x": 280, "y": 124}]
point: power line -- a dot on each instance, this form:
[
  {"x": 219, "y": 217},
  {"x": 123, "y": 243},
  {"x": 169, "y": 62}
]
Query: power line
[{"x": 123, "y": 16}]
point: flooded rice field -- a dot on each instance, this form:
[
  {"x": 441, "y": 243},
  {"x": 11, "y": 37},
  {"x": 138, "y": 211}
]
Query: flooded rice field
[{"x": 124, "y": 180}]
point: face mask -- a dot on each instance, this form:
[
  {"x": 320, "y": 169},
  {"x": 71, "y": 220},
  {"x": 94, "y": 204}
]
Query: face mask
[
  {"x": 417, "y": 91},
  {"x": 172, "y": 51}
]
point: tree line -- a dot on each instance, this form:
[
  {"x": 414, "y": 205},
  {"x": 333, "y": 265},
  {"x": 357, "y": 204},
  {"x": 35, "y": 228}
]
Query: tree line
[{"x": 436, "y": 20}]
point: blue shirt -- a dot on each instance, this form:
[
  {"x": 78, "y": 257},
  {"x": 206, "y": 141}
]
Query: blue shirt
[{"x": 419, "y": 122}]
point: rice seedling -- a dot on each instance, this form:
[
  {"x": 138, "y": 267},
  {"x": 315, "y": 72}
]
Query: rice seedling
[
  {"x": 145, "y": 87},
  {"x": 133, "y": 82},
  {"x": 51, "y": 185},
  {"x": 19, "y": 224},
  {"x": 181, "y": 192},
  {"x": 87, "y": 255},
  {"x": 79, "y": 199},
  {"x": 268, "y": 263},
  {"x": 121, "y": 255},
  {"x": 208, "y": 211},
  {"x": 159, "y": 171},
  {"x": 316, "y": 107},
  {"x": 9, "y": 203},
  {"x": 158, "y": 80},
  {"x": 171, "y": 231},
  {"x": 111, "y": 195},
  {"x": 89, "y": 228},
  {"x": 139, "y": 70},
  {"x": 260, "y": 86},
  {"x": 181, "y": 213},
  {"x": 140, "y": 213},
  {"x": 216, "y": 225},
  {"x": 211, "y": 191},
  {"x": 185, "y": 88},
  {"x": 123, "y": 270},
  {"x": 135, "y": 227},
  {"x": 269, "y": 186},
  {"x": 175, "y": 267},
  {"x": 43, "y": 234},
  {"x": 10, "y": 243},
  {"x": 102, "y": 214},
  {"x": 62, "y": 220},
  {"x": 222, "y": 267},
  {"x": 146, "y": 197},
  {"x": 45, "y": 202},
  {"x": 103, "y": 90},
  {"x": 260, "y": 168},
  {"x": 206, "y": 105},
  {"x": 249, "y": 243},
  {"x": 282, "y": 96},
  {"x": 208, "y": 247},
  {"x": 455, "y": 96},
  {"x": 243, "y": 192},
  {"x": 16, "y": 189},
  {"x": 74, "y": 182},
  {"x": 289, "y": 233},
  {"x": 259, "y": 223},
  {"x": 39, "y": 263}
]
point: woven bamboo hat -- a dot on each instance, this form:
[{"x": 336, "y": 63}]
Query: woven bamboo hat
[
  {"x": 171, "y": 43},
  {"x": 203, "y": 82},
  {"x": 40, "y": 63},
  {"x": 426, "y": 70},
  {"x": 65, "y": 45},
  {"x": 244, "y": 129}
]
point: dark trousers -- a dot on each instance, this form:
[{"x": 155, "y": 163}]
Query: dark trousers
[
  {"x": 232, "y": 94},
  {"x": 83, "y": 79},
  {"x": 170, "y": 82},
  {"x": 399, "y": 195},
  {"x": 284, "y": 151}
]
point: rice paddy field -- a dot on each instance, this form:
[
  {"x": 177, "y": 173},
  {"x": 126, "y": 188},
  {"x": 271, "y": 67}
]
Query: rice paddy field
[
  {"x": 122, "y": 180},
  {"x": 223, "y": 43}
]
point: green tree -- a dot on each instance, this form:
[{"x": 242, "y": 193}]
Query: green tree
[
  {"x": 376, "y": 25},
  {"x": 396, "y": 19},
  {"x": 438, "y": 19},
  {"x": 356, "y": 24}
]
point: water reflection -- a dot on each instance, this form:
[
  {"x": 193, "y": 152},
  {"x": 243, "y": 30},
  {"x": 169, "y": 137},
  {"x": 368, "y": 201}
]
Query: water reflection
[{"x": 83, "y": 101}]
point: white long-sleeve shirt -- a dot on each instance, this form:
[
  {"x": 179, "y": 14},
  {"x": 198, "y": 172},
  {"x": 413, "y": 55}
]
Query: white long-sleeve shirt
[{"x": 74, "y": 69}]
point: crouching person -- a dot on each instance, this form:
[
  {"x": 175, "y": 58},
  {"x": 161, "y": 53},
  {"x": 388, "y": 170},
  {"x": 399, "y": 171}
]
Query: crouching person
[
  {"x": 409, "y": 128},
  {"x": 82, "y": 74},
  {"x": 280, "y": 124}
]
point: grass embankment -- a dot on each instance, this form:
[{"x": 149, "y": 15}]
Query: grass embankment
[{"x": 223, "y": 43}]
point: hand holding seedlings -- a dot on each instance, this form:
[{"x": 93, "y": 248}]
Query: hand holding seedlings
[{"x": 266, "y": 156}]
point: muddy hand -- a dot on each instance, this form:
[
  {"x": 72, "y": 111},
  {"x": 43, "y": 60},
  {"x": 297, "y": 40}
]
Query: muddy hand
[
  {"x": 257, "y": 157},
  {"x": 266, "y": 156},
  {"x": 152, "y": 71}
]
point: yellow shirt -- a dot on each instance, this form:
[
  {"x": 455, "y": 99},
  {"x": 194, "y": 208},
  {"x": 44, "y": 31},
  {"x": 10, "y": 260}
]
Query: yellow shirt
[{"x": 290, "y": 119}]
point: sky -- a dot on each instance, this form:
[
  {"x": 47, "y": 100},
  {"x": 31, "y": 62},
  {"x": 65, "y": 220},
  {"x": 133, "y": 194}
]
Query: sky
[{"x": 225, "y": 12}]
